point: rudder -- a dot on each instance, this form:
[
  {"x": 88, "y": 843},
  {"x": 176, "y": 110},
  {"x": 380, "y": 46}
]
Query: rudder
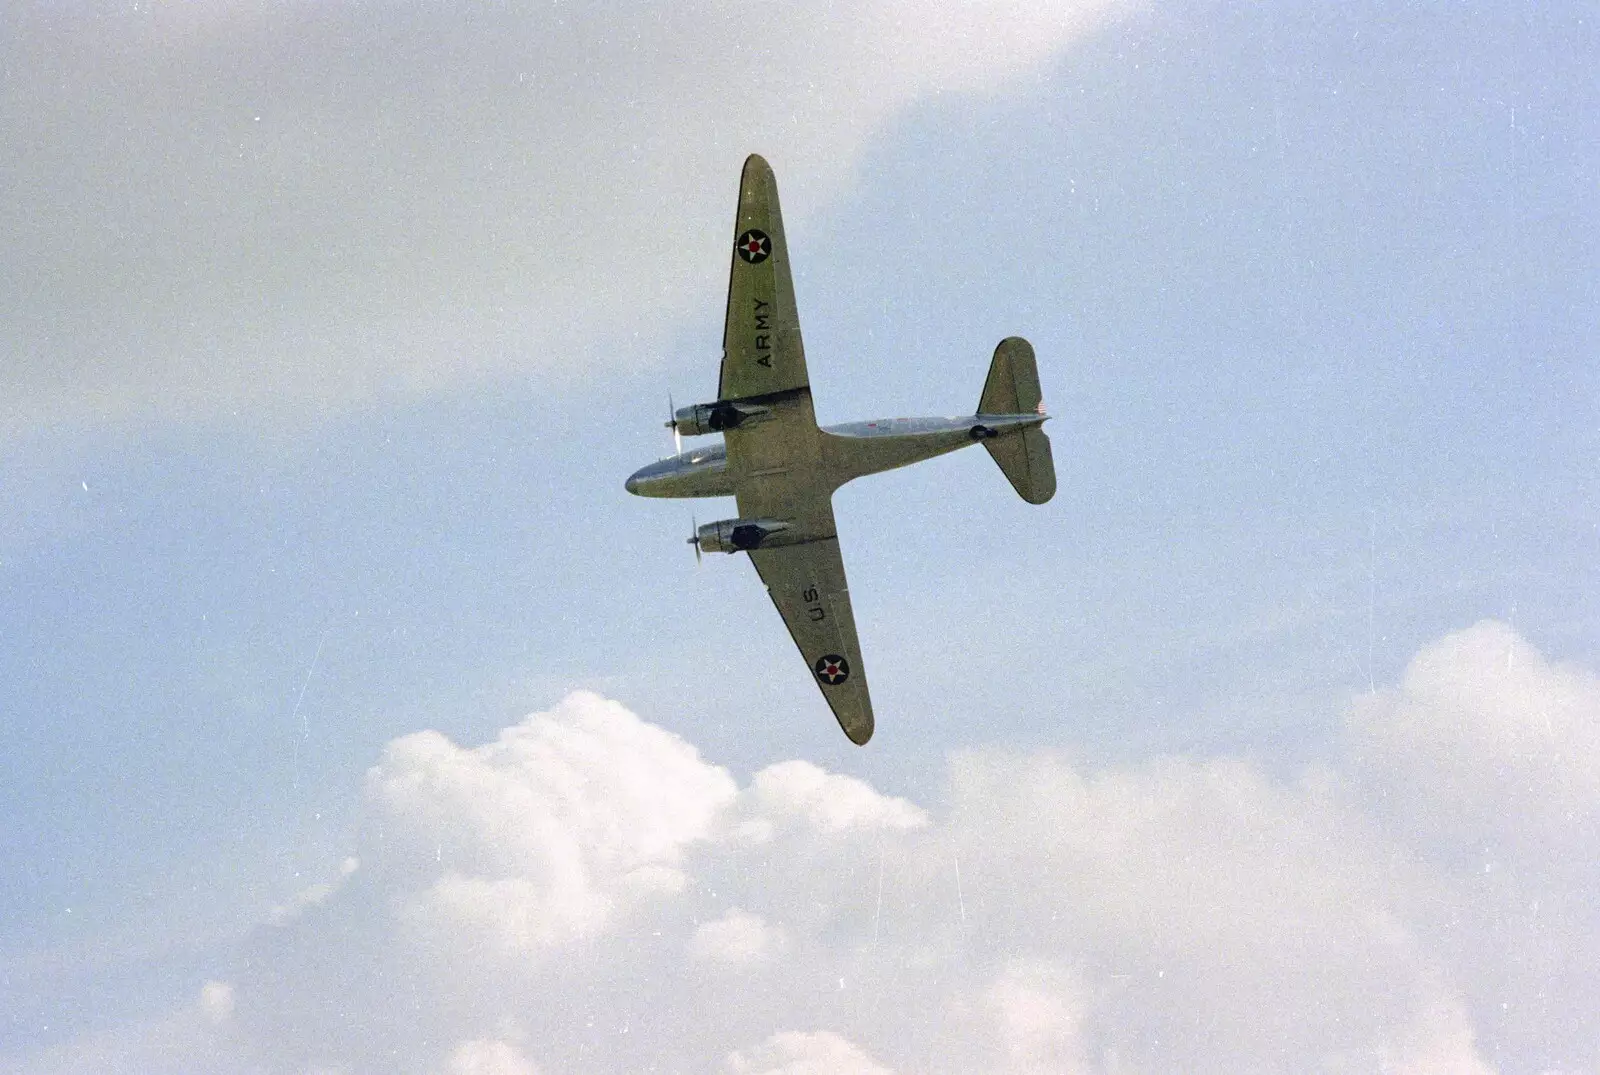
[{"x": 1013, "y": 388}]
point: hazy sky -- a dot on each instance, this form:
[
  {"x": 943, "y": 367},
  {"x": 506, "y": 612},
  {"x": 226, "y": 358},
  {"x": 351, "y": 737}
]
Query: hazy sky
[{"x": 355, "y": 719}]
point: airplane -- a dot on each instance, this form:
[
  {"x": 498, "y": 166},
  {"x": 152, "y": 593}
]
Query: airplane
[{"x": 783, "y": 469}]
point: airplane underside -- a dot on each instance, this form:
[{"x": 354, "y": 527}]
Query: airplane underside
[
  {"x": 783, "y": 469},
  {"x": 850, "y": 451}
]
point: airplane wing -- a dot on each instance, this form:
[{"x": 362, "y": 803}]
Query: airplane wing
[
  {"x": 807, "y": 584},
  {"x": 761, "y": 349},
  {"x": 778, "y": 460}
]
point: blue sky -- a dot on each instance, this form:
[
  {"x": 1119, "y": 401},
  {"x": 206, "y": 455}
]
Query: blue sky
[{"x": 334, "y": 332}]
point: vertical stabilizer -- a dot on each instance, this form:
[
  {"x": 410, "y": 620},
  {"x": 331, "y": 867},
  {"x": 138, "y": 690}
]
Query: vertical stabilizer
[
  {"x": 1013, "y": 384},
  {"x": 1013, "y": 388}
]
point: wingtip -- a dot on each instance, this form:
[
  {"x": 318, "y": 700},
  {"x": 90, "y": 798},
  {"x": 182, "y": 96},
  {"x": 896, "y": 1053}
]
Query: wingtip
[{"x": 860, "y": 732}]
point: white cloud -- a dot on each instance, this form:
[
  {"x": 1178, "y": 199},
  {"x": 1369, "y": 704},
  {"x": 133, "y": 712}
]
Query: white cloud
[
  {"x": 216, "y": 1001},
  {"x": 313, "y": 203},
  {"x": 1181, "y": 894},
  {"x": 1441, "y": 1042},
  {"x": 796, "y": 1053},
  {"x": 738, "y": 938},
  {"x": 565, "y": 820},
  {"x": 489, "y": 1057},
  {"x": 588, "y": 884},
  {"x": 588, "y": 775},
  {"x": 799, "y": 793},
  {"x": 1485, "y": 761},
  {"x": 1483, "y": 734},
  {"x": 198, "y": 1035},
  {"x": 515, "y": 915},
  {"x": 314, "y": 894},
  {"x": 1037, "y": 1010}
]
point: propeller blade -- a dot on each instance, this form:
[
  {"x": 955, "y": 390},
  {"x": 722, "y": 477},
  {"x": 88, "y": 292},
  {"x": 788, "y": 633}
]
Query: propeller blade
[
  {"x": 672, "y": 424},
  {"x": 694, "y": 538}
]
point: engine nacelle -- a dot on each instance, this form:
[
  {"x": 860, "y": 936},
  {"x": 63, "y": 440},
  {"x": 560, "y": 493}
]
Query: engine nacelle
[
  {"x": 738, "y": 535},
  {"x": 716, "y": 417}
]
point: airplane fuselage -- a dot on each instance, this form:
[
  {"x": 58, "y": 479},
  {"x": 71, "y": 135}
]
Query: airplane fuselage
[{"x": 846, "y": 452}]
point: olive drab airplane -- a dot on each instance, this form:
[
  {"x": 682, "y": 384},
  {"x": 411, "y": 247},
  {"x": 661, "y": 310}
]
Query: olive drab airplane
[{"x": 783, "y": 469}]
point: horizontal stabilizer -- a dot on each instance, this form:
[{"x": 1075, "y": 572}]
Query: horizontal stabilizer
[
  {"x": 1013, "y": 388},
  {"x": 1025, "y": 458}
]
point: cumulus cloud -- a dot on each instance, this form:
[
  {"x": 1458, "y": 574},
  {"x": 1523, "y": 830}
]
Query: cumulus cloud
[
  {"x": 489, "y": 1057},
  {"x": 1440, "y": 1042},
  {"x": 586, "y": 893},
  {"x": 1485, "y": 761},
  {"x": 567, "y": 820},
  {"x": 1484, "y": 734},
  {"x": 798, "y": 793},
  {"x": 196, "y": 1035},
  {"x": 216, "y": 1001},
  {"x": 1180, "y": 894},
  {"x": 311, "y": 203},
  {"x": 1037, "y": 1011},
  {"x": 738, "y": 938},
  {"x": 313, "y": 894},
  {"x": 795, "y": 1053}
]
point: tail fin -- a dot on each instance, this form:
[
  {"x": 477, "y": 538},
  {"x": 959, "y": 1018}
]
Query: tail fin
[{"x": 1013, "y": 388}]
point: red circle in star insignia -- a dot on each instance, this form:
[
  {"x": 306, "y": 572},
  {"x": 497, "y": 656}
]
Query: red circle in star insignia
[
  {"x": 754, "y": 246},
  {"x": 832, "y": 669}
]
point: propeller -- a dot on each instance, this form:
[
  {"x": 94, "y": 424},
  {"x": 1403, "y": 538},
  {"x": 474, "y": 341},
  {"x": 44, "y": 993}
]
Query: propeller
[
  {"x": 672, "y": 424},
  {"x": 694, "y": 538}
]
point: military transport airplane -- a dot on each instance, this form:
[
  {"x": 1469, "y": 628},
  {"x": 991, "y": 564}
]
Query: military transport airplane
[{"x": 783, "y": 469}]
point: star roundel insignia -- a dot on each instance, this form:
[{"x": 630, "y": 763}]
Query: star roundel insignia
[
  {"x": 754, "y": 246},
  {"x": 832, "y": 669}
]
